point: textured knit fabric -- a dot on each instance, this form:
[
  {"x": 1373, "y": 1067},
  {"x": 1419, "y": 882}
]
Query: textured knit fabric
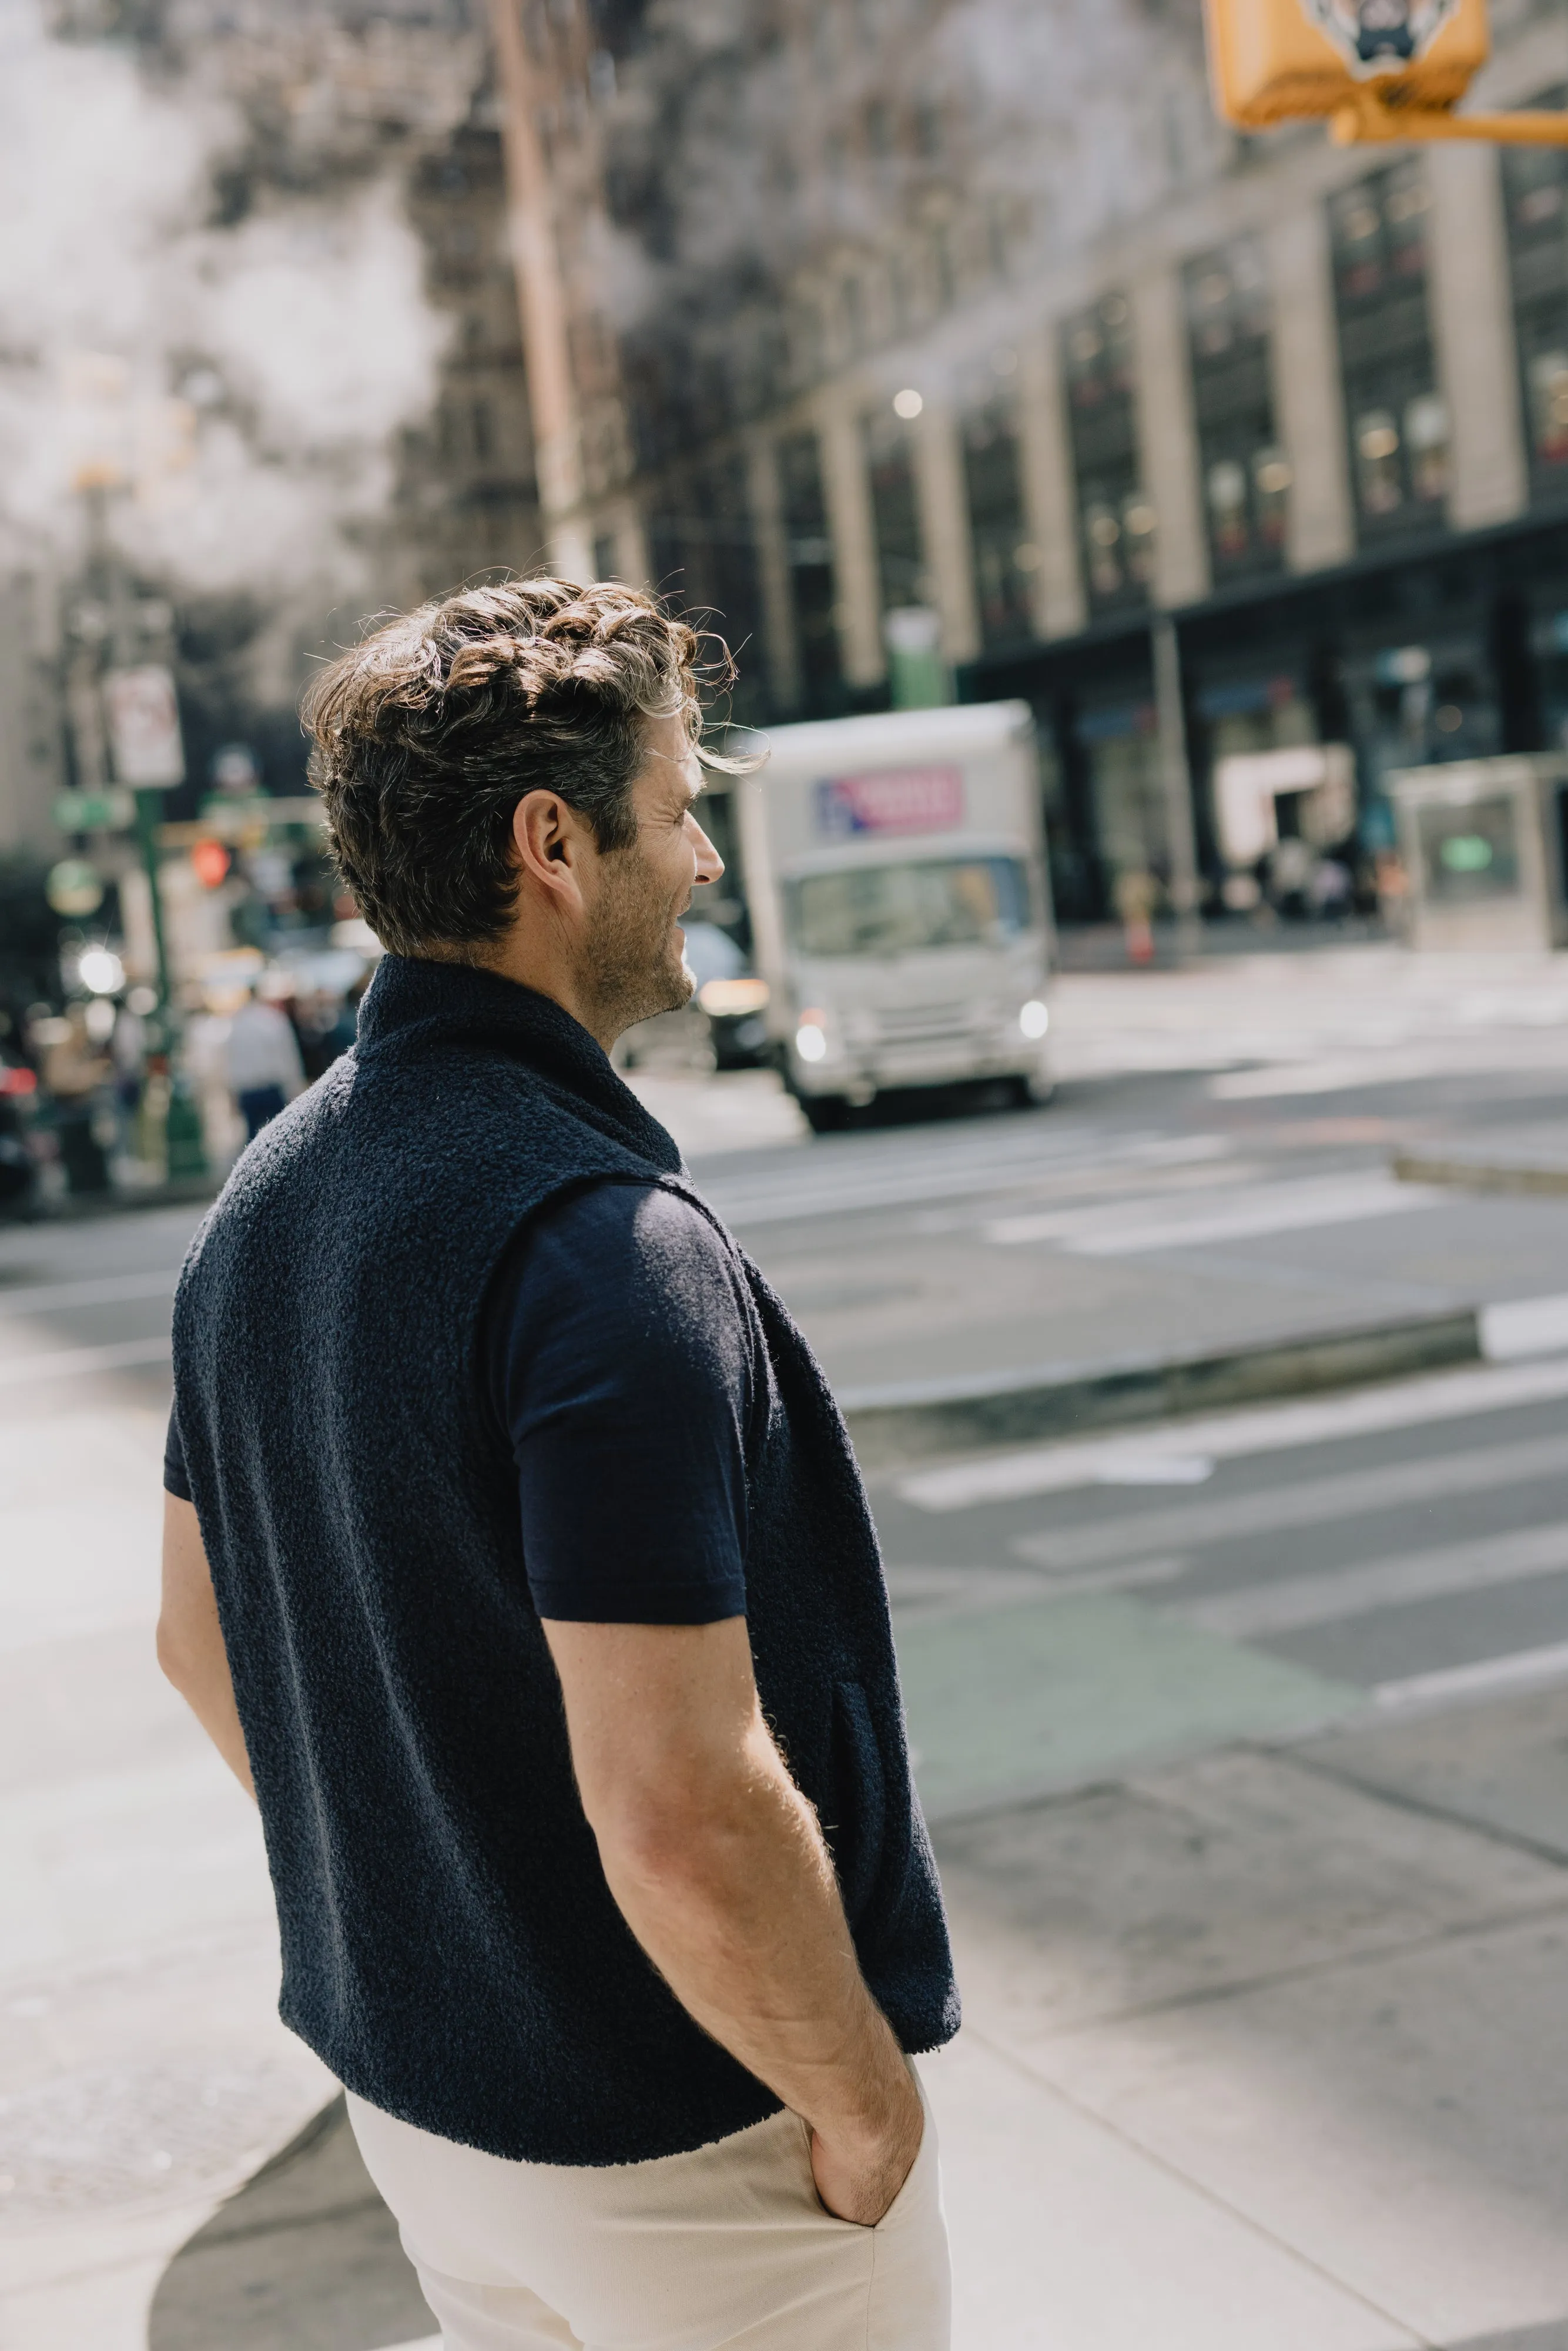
[
  {"x": 618, "y": 1338},
  {"x": 450, "y": 1947},
  {"x": 727, "y": 2249}
]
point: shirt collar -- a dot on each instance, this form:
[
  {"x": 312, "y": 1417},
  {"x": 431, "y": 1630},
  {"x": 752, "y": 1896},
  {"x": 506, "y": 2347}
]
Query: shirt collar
[{"x": 418, "y": 1004}]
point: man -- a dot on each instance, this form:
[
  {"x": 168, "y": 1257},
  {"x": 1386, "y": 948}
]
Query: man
[
  {"x": 529, "y": 1575},
  {"x": 261, "y": 1062}
]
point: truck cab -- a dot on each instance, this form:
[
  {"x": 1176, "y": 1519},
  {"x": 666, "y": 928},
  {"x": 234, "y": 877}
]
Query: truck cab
[{"x": 899, "y": 908}]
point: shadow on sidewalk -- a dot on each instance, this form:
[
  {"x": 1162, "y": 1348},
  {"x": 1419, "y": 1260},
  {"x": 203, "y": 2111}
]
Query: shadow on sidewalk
[{"x": 305, "y": 2258}]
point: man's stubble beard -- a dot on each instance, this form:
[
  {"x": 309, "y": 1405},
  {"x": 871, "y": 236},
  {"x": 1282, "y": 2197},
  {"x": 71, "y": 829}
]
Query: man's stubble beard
[{"x": 632, "y": 967}]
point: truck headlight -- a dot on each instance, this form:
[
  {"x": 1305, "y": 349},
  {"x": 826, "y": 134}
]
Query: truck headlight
[
  {"x": 810, "y": 1038},
  {"x": 1034, "y": 1020}
]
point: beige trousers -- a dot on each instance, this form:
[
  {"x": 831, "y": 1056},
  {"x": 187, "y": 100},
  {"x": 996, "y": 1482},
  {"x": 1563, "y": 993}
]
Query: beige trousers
[{"x": 726, "y": 2247}]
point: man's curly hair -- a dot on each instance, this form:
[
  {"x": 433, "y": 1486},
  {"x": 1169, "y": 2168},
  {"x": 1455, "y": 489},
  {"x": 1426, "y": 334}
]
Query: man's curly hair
[{"x": 428, "y": 733}]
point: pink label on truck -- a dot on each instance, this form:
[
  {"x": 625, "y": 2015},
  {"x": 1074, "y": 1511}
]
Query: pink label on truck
[{"x": 891, "y": 800}]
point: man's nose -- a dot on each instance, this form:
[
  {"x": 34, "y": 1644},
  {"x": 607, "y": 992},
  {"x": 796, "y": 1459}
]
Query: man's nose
[{"x": 710, "y": 865}]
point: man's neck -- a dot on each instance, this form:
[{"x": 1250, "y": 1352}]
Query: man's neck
[{"x": 523, "y": 964}]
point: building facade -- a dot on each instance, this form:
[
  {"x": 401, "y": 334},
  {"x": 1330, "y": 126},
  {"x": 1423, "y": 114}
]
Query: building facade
[{"x": 1308, "y": 403}]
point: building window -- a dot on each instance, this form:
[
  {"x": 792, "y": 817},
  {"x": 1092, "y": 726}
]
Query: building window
[
  {"x": 1398, "y": 419},
  {"x": 1115, "y": 512},
  {"x": 900, "y": 555},
  {"x": 1246, "y": 474},
  {"x": 809, "y": 552},
  {"x": 1535, "y": 193},
  {"x": 1004, "y": 556}
]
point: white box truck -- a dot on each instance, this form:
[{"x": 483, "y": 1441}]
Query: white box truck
[{"x": 894, "y": 871}]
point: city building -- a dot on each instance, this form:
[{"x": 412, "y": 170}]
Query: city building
[{"x": 1049, "y": 351}]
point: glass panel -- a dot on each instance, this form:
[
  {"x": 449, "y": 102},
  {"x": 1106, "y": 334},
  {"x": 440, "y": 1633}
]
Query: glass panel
[
  {"x": 1471, "y": 852},
  {"x": 903, "y": 909}
]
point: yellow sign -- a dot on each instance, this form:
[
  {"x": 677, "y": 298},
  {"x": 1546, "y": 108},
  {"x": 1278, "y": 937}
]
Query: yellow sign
[{"x": 1275, "y": 60}]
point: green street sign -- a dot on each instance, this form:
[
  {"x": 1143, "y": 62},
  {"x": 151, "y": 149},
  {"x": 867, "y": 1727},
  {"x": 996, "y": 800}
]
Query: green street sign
[{"x": 95, "y": 811}]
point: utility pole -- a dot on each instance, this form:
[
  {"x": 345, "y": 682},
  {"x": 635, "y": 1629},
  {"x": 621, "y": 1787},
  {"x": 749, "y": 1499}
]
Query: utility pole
[
  {"x": 541, "y": 300},
  {"x": 1176, "y": 779}
]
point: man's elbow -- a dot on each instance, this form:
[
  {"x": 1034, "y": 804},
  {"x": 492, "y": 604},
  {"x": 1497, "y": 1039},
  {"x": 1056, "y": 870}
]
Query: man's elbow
[
  {"x": 684, "y": 1836},
  {"x": 177, "y": 1657}
]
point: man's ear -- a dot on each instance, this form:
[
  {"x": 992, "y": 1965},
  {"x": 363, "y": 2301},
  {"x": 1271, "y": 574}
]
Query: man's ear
[{"x": 552, "y": 844}]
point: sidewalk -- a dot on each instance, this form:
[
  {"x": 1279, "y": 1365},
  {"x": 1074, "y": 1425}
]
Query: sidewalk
[{"x": 1257, "y": 2051}]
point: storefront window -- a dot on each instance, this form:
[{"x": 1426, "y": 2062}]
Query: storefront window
[
  {"x": 1247, "y": 475},
  {"x": 1120, "y": 746},
  {"x": 1117, "y": 517},
  {"x": 1535, "y": 194},
  {"x": 1399, "y": 422}
]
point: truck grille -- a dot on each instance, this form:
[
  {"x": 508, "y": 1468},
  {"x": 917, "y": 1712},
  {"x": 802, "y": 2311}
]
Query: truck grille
[{"x": 920, "y": 1024}]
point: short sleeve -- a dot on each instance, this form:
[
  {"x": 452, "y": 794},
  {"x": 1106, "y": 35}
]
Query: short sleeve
[
  {"x": 174, "y": 1479},
  {"x": 621, "y": 1352}
]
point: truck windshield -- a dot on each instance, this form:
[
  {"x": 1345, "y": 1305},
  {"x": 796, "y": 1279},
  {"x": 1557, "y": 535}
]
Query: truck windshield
[{"x": 900, "y": 909}]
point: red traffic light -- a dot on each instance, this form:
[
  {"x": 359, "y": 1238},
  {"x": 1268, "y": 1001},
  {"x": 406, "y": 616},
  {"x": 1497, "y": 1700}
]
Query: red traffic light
[{"x": 211, "y": 860}]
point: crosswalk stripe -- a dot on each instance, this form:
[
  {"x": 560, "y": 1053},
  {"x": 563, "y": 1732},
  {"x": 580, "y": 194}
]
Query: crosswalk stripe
[
  {"x": 1292, "y": 1603},
  {"x": 1316, "y": 1502},
  {"x": 1115, "y": 1230},
  {"x": 826, "y": 1187},
  {"x": 1520, "y": 1669}
]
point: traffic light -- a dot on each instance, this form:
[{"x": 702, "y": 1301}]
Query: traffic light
[
  {"x": 1378, "y": 69},
  {"x": 1276, "y": 60}
]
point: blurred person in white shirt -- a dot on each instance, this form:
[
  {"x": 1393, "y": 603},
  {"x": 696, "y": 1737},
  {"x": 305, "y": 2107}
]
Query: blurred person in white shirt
[{"x": 264, "y": 1067}]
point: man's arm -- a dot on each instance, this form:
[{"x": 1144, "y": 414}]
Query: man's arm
[
  {"x": 190, "y": 1640},
  {"x": 719, "y": 1865}
]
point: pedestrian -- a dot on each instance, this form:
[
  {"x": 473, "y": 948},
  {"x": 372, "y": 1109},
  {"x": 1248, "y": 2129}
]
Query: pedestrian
[
  {"x": 262, "y": 1061},
  {"x": 515, "y": 1555},
  {"x": 77, "y": 1070}
]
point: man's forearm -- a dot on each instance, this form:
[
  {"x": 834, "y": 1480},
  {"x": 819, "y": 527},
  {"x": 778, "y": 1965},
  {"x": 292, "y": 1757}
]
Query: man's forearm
[{"x": 743, "y": 1918}]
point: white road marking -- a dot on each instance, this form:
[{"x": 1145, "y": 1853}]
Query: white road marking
[
  {"x": 1329, "y": 1597},
  {"x": 79, "y": 1363},
  {"x": 1259, "y": 1429},
  {"x": 1156, "y": 1469},
  {"x": 837, "y": 1182},
  {"x": 1314, "y": 1502},
  {"x": 1111, "y": 1230},
  {"x": 1524, "y": 1326},
  {"x": 1518, "y": 1670},
  {"x": 51, "y": 1297}
]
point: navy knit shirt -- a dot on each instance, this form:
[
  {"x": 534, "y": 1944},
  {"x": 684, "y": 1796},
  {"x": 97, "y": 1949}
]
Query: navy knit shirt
[
  {"x": 360, "y": 1423},
  {"x": 615, "y": 1346}
]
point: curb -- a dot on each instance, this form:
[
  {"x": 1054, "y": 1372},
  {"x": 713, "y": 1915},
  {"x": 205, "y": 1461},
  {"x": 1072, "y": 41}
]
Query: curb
[
  {"x": 891, "y": 1428},
  {"x": 1478, "y": 1174}
]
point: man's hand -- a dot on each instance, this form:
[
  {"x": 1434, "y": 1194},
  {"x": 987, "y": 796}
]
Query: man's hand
[
  {"x": 719, "y": 1865},
  {"x": 858, "y": 2179}
]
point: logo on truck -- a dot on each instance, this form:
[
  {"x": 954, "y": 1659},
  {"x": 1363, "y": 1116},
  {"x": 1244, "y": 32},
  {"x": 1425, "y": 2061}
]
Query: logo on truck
[{"x": 891, "y": 800}]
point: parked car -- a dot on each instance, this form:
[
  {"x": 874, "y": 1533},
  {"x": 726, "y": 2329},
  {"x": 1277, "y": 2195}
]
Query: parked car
[{"x": 730, "y": 994}]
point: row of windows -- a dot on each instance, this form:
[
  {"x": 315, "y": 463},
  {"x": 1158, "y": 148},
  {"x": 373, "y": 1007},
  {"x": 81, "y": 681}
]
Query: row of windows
[{"x": 1396, "y": 419}]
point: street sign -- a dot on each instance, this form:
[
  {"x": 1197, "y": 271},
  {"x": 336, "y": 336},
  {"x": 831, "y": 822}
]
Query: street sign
[
  {"x": 144, "y": 726},
  {"x": 95, "y": 811}
]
